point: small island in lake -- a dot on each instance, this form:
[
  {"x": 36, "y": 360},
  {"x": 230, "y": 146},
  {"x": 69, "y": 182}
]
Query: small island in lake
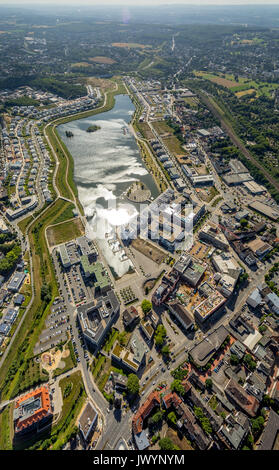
[
  {"x": 93, "y": 128},
  {"x": 138, "y": 192},
  {"x": 69, "y": 134}
]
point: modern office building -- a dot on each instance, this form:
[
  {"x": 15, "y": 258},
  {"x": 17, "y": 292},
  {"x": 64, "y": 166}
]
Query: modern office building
[{"x": 97, "y": 317}]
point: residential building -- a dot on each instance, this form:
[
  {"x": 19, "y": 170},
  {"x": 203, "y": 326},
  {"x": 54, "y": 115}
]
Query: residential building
[{"x": 16, "y": 281}]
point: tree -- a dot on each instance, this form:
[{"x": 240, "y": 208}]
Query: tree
[
  {"x": 165, "y": 350},
  {"x": 160, "y": 335},
  {"x": 133, "y": 384},
  {"x": 146, "y": 306},
  {"x": 156, "y": 418},
  {"x": 249, "y": 362},
  {"x": 208, "y": 384},
  {"x": 243, "y": 223},
  {"x": 166, "y": 444},
  {"x": 172, "y": 417},
  {"x": 176, "y": 386},
  {"x": 46, "y": 293},
  {"x": 234, "y": 360},
  {"x": 122, "y": 338},
  {"x": 257, "y": 425}
]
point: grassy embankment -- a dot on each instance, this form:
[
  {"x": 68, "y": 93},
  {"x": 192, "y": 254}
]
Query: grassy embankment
[
  {"x": 15, "y": 363},
  {"x": 6, "y": 434}
]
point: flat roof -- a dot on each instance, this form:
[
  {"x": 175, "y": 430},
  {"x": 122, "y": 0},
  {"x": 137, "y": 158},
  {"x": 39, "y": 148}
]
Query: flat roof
[
  {"x": 207, "y": 347},
  {"x": 87, "y": 419},
  {"x": 272, "y": 213},
  {"x": 252, "y": 339}
]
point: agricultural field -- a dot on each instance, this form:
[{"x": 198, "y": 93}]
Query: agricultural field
[
  {"x": 228, "y": 83},
  {"x": 249, "y": 91},
  {"x": 130, "y": 45},
  {"x": 80, "y": 64},
  {"x": 102, "y": 60},
  {"x": 242, "y": 85}
]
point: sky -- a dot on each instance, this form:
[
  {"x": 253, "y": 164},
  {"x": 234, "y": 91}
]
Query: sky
[{"x": 141, "y": 2}]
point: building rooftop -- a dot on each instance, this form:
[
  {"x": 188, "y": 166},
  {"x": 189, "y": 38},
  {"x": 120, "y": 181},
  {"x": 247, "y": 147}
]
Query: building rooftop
[
  {"x": 271, "y": 212},
  {"x": 130, "y": 314},
  {"x": 87, "y": 419},
  {"x": 181, "y": 313},
  {"x": 31, "y": 408},
  {"x": 202, "y": 352},
  {"x": 95, "y": 318},
  {"x": 141, "y": 440},
  {"x": 208, "y": 306},
  {"x": 269, "y": 439},
  {"x": 238, "y": 395}
]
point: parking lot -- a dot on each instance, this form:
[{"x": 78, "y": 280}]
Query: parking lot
[
  {"x": 79, "y": 290},
  {"x": 57, "y": 325}
]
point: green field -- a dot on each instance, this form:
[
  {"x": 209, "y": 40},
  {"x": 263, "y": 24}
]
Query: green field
[
  {"x": 227, "y": 80},
  {"x": 6, "y": 427},
  {"x": 64, "y": 232}
]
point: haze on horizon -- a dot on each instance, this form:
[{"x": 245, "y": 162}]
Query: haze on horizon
[{"x": 139, "y": 3}]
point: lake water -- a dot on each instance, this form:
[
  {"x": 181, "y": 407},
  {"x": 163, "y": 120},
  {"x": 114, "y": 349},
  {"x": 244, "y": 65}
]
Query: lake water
[{"x": 106, "y": 163}]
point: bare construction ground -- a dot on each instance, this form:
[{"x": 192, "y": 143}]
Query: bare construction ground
[{"x": 149, "y": 250}]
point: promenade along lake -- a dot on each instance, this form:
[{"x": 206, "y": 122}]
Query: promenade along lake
[{"x": 106, "y": 162}]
